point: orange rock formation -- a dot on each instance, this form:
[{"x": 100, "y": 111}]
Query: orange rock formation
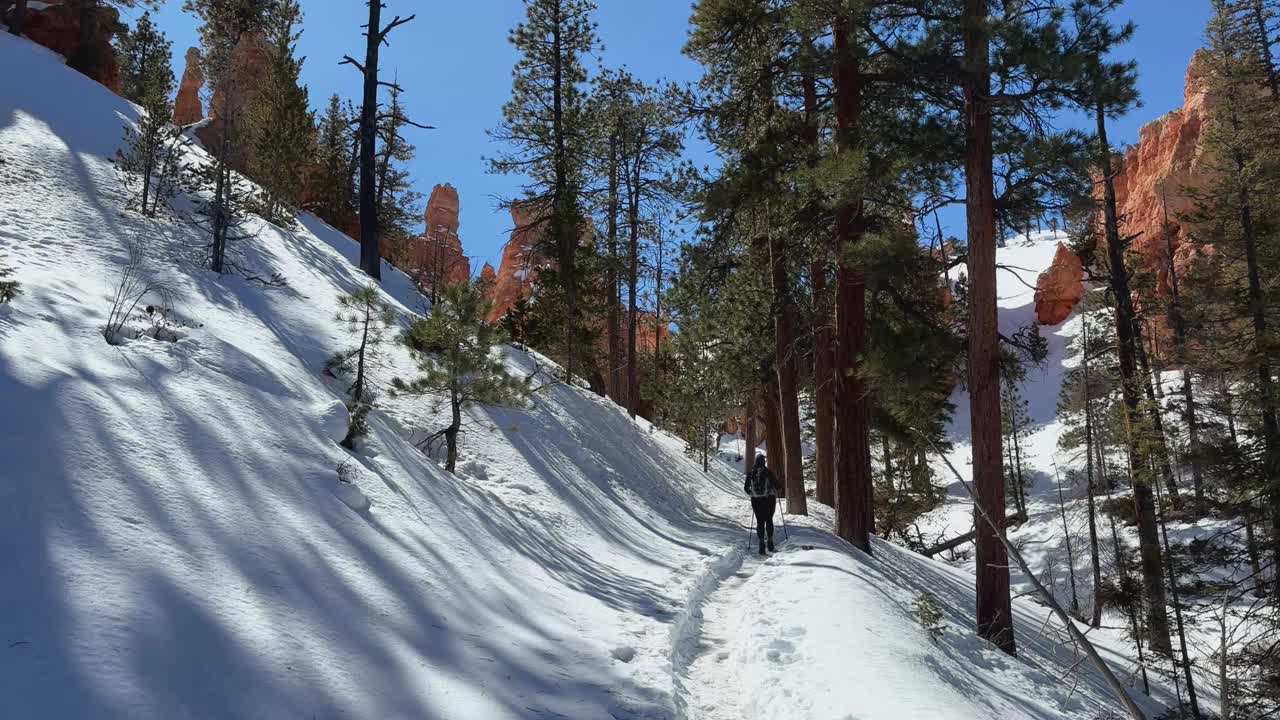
[
  {"x": 1059, "y": 288},
  {"x": 186, "y": 107}
]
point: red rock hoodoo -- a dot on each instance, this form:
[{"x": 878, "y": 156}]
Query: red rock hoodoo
[
  {"x": 518, "y": 268},
  {"x": 1059, "y": 288},
  {"x": 436, "y": 256},
  {"x": 246, "y": 70},
  {"x": 56, "y": 25},
  {"x": 186, "y": 107}
]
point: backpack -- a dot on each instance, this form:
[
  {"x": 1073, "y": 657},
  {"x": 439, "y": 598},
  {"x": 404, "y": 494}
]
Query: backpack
[{"x": 761, "y": 482}]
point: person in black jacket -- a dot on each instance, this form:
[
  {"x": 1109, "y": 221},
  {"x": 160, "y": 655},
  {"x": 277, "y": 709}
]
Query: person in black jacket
[{"x": 762, "y": 486}]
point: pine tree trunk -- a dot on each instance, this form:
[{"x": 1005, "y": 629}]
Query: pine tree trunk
[
  {"x": 994, "y": 607},
  {"x": 788, "y": 392},
  {"x": 749, "y": 439},
  {"x": 370, "y": 256},
  {"x": 613, "y": 378},
  {"x": 1071, "y": 556},
  {"x": 1095, "y": 619},
  {"x": 853, "y": 486},
  {"x": 1177, "y": 617},
  {"x": 1020, "y": 490},
  {"x": 657, "y": 314},
  {"x": 1144, "y": 506},
  {"x": 1250, "y": 541},
  {"x": 823, "y": 372},
  {"x": 773, "y": 428},
  {"x": 1157, "y": 423},
  {"x": 633, "y": 280},
  {"x": 451, "y": 434},
  {"x": 1190, "y": 416},
  {"x": 564, "y": 227}
]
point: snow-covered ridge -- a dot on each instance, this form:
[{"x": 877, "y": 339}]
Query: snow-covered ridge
[{"x": 178, "y": 544}]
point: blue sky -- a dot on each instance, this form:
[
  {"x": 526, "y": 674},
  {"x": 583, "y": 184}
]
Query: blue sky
[{"x": 454, "y": 62}]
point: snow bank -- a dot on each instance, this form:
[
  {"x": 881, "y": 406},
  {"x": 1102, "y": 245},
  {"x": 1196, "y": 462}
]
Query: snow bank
[{"x": 830, "y": 633}]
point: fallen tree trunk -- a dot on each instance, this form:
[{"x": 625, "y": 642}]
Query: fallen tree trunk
[{"x": 954, "y": 542}]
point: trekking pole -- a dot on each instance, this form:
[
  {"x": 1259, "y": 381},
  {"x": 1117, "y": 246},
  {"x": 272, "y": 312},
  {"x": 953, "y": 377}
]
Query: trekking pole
[{"x": 786, "y": 535}]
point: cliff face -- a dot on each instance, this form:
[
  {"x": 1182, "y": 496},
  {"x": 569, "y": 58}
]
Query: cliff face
[
  {"x": 1154, "y": 183},
  {"x": 1154, "y": 192}
]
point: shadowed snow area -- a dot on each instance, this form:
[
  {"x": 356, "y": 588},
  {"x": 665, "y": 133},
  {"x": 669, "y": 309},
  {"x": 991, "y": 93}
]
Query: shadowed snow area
[{"x": 177, "y": 543}]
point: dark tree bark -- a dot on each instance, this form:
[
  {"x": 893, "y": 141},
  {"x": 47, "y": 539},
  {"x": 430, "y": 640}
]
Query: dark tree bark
[
  {"x": 633, "y": 280},
  {"x": 613, "y": 378},
  {"x": 749, "y": 438},
  {"x": 370, "y": 256},
  {"x": 1095, "y": 618},
  {"x": 1143, "y": 502},
  {"x": 785, "y": 363},
  {"x": 994, "y": 607},
  {"x": 823, "y": 357},
  {"x": 1177, "y": 617},
  {"x": 1162, "y": 454},
  {"x": 375, "y": 36},
  {"x": 773, "y": 425},
  {"x": 853, "y": 485}
]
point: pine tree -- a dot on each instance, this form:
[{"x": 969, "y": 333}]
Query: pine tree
[
  {"x": 1237, "y": 213},
  {"x": 454, "y": 348},
  {"x": 149, "y": 160},
  {"x": 396, "y": 203},
  {"x": 641, "y": 145},
  {"x": 91, "y": 56},
  {"x": 279, "y": 118},
  {"x": 144, "y": 55},
  {"x": 366, "y": 316},
  {"x": 548, "y": 133},
  {"x": 333, "y": 183}
]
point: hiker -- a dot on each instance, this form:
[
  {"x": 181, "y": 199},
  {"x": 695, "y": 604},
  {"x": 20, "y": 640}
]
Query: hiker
[{"x": 762, "y": 486}]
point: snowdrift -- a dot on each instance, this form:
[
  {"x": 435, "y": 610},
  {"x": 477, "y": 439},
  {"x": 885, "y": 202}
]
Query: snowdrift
[{"x": 177, "y": 542}]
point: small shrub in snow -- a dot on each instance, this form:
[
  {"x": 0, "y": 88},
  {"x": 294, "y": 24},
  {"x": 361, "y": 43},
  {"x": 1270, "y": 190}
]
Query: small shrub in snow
[
  {"x": 348, "y": 471},
  {"x": 366, "y": 317},
  {"x": 9, "y": 289},
  {"x": 454, "y": 348},
  {"x": 929, "y": 613},
  {"x": 130, "y": 291}
]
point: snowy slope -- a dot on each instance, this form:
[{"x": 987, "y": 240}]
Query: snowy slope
[
  {"x": 175, "y": 546},
  {"x": 178, "y": 545}
]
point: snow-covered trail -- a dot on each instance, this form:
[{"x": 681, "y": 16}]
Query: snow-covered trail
[{"x": 711, "y": 690}]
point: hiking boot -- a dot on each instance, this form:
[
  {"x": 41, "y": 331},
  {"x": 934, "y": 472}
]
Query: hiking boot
[
  {"x": 762, "y": 547},
  {"x": 771, "y": 545}
]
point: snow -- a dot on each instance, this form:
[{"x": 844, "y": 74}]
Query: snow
[{"x": 185, "y": 538}]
